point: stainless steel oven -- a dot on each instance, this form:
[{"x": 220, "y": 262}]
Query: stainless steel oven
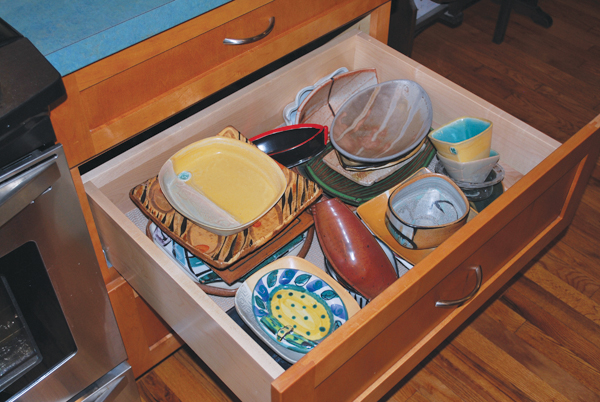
[{"x": 59, "y": 340}]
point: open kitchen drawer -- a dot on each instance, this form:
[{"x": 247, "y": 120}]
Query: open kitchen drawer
[{"x": 371, "y": 352}]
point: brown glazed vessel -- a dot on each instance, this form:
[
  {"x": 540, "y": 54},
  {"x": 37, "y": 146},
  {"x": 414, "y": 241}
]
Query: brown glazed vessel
[{"x": 351, "y": 249}]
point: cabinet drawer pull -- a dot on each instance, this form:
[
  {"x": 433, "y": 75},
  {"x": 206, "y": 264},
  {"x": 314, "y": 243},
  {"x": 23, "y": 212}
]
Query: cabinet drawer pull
[
  {"x": 450, "y": 303},
  {"x": 256, "y": 38}
]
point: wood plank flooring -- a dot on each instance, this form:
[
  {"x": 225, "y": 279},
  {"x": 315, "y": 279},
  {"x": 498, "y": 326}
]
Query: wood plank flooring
[{"x": 539, "y": 339}]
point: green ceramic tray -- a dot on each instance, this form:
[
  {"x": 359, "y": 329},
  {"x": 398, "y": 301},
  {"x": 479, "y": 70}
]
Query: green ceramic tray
[{"x": 336, "y": 185}]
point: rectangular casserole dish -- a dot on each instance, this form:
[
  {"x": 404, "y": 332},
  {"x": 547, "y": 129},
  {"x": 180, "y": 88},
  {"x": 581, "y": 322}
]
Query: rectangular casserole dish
[{"x": 369, "y": 354}]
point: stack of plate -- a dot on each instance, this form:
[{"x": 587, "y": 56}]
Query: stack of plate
[
  {"x": 220, "y": 241},
  {"x": 199, "y": 271}
]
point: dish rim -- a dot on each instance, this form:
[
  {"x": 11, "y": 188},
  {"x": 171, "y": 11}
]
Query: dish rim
[
  {"x": 433, "y": 132},
  {"x": 319, "y": 127}
]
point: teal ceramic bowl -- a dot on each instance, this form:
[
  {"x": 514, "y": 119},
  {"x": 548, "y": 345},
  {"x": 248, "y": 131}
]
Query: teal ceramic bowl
[{"x": 463, "y": 140}]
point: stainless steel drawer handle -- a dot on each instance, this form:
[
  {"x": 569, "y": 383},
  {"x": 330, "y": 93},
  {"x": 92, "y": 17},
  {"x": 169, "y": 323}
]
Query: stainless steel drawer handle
[
  {"x": 256, "y": 38},
  {"x": 451, "y": 303}
]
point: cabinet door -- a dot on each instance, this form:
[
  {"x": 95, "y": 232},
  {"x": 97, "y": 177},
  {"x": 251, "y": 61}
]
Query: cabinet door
[
  {"x": 401, "y": 326},
  {"x": 147, "y": 338}
]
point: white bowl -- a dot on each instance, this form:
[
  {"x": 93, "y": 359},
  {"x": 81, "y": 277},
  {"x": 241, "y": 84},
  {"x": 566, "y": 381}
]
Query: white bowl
[{"x": 471, "y": 172}]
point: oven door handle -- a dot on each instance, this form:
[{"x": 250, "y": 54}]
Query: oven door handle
[{"x": 19, "y": 192}]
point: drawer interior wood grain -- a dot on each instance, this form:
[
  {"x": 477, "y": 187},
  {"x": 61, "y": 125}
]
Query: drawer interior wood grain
[{"x": 354, "y": 361}]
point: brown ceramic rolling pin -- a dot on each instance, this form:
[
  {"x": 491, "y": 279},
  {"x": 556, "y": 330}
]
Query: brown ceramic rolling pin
[{"x": 351, "y": 249}]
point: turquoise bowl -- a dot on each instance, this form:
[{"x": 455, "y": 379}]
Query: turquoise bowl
[{"x": 463, "y": 140}]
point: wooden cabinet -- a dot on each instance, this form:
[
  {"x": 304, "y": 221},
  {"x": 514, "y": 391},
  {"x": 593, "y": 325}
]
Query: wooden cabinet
[
  {"x": 371, "y": 352},
  {"x": 122, "y": 95}
]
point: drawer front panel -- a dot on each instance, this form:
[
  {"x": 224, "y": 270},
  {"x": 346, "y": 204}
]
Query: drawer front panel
[
  {"x": 155, "y": 45},
  {"x": 134, "y": 87},
  {"x": 389, "y": 346},
  {"x": 147, "y": 338},
  {"x": 144, "y": 82},
  {"x": 382, "y": 351}
]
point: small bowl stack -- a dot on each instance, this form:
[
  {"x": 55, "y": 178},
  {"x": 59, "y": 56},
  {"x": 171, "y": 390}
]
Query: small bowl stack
[{"x": 464, "y": 151}]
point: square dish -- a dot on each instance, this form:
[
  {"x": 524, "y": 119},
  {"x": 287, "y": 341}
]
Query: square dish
[{"x": 222, "y": 184}]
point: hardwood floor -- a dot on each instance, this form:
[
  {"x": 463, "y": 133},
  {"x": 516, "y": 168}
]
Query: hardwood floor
[{"x": 539, "y": 339}]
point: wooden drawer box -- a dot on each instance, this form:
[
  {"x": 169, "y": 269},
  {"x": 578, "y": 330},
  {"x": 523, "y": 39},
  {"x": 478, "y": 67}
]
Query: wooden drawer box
[{"x": 376, "y": 348}]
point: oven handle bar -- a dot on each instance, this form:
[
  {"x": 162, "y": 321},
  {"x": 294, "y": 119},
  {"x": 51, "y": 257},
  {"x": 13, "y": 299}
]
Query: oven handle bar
[{"x": 19, "y": 192}]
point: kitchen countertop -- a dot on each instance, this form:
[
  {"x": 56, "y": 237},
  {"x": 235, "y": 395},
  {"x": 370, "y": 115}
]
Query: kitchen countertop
[{"x": 75, "y": 33}]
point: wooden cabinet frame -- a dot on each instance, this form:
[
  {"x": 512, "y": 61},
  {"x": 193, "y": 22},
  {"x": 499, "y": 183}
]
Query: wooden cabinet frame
[{"x": 84, "y": 136}]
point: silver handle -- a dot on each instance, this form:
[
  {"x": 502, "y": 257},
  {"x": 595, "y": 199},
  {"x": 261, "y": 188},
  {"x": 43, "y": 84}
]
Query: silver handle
[
  {"x": 256, "y": 38},
  {"x": 451, "y": 303},
  {"x": 113, "y": 386},
  {"x": 17, "y": 193}
]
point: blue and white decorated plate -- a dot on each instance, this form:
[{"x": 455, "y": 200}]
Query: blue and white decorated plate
[
  {"x": 297, "y": 309},
  {"x": 292, "y": 305}
]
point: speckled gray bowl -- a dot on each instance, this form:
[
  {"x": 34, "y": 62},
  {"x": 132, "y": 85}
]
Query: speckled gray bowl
[{"x": 425, "y": 211}]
